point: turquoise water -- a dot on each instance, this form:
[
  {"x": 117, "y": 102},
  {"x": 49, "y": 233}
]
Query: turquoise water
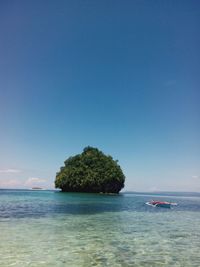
[{"x": 46, "y": 228}]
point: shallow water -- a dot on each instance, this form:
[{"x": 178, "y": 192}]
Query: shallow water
[{"x": 46, "y": 228}]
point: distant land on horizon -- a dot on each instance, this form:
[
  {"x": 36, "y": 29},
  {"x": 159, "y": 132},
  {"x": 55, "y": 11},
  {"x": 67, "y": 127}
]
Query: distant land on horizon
[
  {"x": 166, "y": 193},
  {"x": 177, "y": 193}
]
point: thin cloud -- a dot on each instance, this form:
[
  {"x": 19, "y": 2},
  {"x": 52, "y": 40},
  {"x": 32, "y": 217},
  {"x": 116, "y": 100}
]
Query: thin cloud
[
  {"x": 153, "y": 189},
  {"x": 34, "y": 181},
  {"x": 10, "y": 184},
  {"x": 10, "y": 171},
  {"x": 170, "y": 83},
  {"x": 196, "y": 176}
]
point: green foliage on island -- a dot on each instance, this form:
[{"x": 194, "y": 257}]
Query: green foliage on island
[{"x": 91, "y": 172}]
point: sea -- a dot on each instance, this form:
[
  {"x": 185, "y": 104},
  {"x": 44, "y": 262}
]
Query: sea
[{"x": 50, "y": 228}]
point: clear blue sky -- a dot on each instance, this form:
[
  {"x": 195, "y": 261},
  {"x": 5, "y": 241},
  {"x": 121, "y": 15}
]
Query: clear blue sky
[{"x": 122, "y": 76}]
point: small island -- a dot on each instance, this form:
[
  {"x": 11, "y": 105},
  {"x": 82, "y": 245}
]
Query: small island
[
  {"x": 36, "y": 188},
  {"x": 91, "y": 172}
]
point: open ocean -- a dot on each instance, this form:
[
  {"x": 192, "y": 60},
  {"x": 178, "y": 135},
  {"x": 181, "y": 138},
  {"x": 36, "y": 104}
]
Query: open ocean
[{"x": 47, "y": 228}]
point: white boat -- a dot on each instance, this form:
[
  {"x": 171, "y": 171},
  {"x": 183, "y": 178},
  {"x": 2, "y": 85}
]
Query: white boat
[{"x": 161, "y": 204}]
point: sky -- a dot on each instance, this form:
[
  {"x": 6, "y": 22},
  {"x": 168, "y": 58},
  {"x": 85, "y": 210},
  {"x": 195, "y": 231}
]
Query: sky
[{"x": 122, "y": 76}]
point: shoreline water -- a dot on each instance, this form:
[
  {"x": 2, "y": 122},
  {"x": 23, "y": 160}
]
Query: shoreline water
[{"x": 44, "y": 228}]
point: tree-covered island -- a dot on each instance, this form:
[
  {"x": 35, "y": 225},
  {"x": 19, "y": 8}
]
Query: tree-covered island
[{"x": 92, "y": 172}]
